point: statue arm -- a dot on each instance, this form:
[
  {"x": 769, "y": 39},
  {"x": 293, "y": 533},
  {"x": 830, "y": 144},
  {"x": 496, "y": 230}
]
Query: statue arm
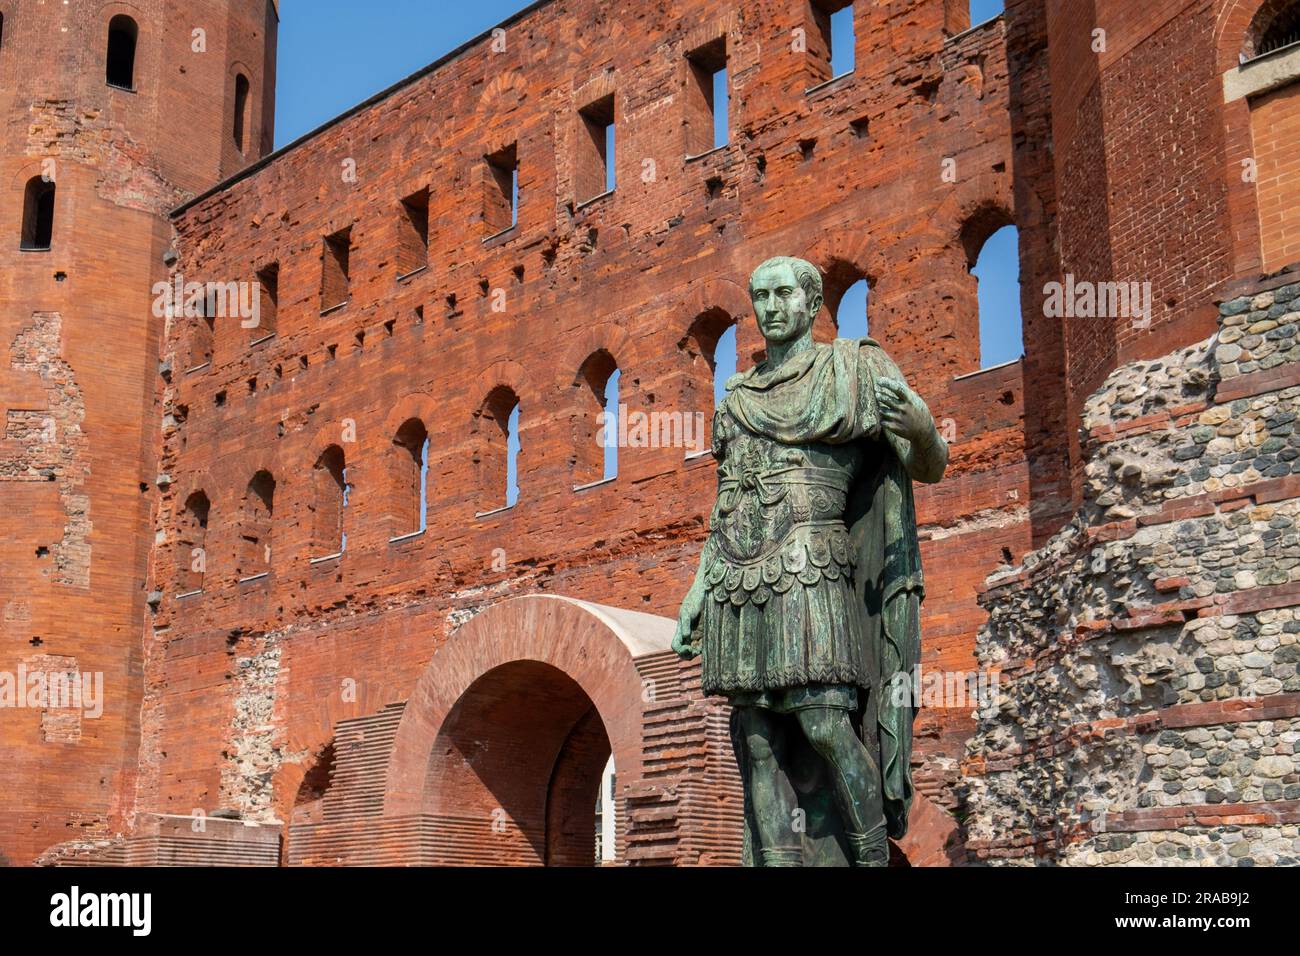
[
  {"x": 908, "y": 425},
  {"x": 684, "y": 642},
  {"x": 926, "y": 459}
]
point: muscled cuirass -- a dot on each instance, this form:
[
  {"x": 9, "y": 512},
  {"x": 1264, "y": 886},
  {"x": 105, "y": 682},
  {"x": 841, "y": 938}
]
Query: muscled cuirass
[{"x": 779, "y": 517}]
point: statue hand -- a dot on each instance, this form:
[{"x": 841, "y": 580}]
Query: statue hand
[
  {"x": 683, "y": 643},
  {"x": 903, "y": 412}
]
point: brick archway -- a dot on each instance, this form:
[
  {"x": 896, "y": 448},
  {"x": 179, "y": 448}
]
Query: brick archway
[
  {"x": 495, "y": 757},
  {"x": 523, "y": 751},
  {"x": 507, "y": 732}
]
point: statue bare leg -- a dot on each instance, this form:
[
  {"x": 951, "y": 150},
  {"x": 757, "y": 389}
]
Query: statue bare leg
[
  {"x": 856, "y": 778},
  {"x": 770, "y": 793}
]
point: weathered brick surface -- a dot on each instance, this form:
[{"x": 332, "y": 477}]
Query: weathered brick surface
[
  {"x": 254, "y": 655},
  {"x": 1147, "y": 181},
  {"x": 633, "y": 273},
  {"x": 79, "y": 348}
]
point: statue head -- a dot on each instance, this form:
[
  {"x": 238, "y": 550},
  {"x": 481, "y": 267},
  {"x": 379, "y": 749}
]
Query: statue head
[{"x": 787, "y": 294}]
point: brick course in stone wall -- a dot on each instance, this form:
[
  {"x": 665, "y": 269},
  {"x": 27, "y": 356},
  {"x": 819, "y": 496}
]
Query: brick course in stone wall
[{"x": 1149, "y": 649}]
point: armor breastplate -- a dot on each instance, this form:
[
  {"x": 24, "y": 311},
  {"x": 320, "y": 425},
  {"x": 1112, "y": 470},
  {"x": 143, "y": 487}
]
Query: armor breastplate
[{"x": 779, "y": 515}]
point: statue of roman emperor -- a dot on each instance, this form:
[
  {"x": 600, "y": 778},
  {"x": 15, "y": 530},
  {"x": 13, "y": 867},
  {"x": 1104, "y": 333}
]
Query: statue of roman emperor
[{"x": 806, "y": 604}]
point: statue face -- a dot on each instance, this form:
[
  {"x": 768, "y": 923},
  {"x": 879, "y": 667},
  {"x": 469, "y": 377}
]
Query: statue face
[{"x": 781, "y": 305}]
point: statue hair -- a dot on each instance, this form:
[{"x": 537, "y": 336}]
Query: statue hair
[{"x": 805, "y": 273}]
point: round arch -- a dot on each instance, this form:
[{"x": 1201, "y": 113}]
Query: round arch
[
  {"x": 516, "y": 712},
  {"x": 729, "y": 297}
]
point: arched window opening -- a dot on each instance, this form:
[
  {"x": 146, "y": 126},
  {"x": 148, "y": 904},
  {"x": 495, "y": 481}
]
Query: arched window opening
[
  {"x": 120, "y": 67},
  {"x": 596, "y": 435},
  {"x": 496, "y": 449},
  {"x": 851, "y": 321},
  {"x": 724, "y": 363},
  {"x": 612, "y": 412},
  {"x": 329, "y": 501},
  {"x": 986, "y": 298},
  {"x": 242, "y": 102},
  {"x": 710, "y": 346},
  {"x": 254, "y": 556},
  {"x": 38, "y": 215},
  {"x": 606, "y": 824},
  {"x": 845, "y": 294},
  {"x": 997, "y": 272},
  {"x": 1279, "y": 29},
  {"x": 410, "y": 477},
  {"x": 191, "y": 544},
  {"x": 512, "y": 457}
]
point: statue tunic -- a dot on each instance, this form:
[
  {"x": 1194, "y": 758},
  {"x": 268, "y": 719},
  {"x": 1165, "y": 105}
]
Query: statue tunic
[
  {"x": 812, "y": 570},
  {"x": 781, "y": 610}
]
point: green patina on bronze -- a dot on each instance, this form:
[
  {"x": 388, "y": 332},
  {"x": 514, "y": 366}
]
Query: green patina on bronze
[{"x": 807, "y": 600}]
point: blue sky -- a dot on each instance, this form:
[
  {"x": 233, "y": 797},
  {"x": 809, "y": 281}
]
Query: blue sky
[
  {"x": 981, "y": 10},
  {"x": 334, "y": 54}
]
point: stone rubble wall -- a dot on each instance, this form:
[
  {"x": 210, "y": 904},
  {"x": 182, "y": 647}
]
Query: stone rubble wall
[{"x": 1148, "y": 706}]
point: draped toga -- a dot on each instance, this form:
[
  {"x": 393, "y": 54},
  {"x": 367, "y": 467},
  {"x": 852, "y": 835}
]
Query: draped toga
[{"x": 812, "y": 568}]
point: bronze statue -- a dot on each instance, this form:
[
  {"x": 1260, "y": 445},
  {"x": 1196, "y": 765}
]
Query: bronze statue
[{"x": 807, "y": 600}]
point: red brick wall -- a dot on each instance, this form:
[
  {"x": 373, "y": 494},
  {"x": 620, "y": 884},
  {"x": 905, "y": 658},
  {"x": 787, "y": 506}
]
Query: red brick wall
[
  {"x": 1031, "y": 124},
  {"x": 78, "y": 355},
  {"x": 1146, "y": 185},
  {"x": 1047, "y": 434},
  {"x": 1138, "y": 133},
  {"x": 1275, "y": 125},
  {"x": 629, "y": 274}
]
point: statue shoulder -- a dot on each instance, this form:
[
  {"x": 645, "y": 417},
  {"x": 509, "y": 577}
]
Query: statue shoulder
[{"x": 873, "y": 355}]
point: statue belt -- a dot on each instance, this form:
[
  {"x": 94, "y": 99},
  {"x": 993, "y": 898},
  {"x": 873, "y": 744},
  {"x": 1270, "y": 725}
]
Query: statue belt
[{"x": 772, "y": 484}]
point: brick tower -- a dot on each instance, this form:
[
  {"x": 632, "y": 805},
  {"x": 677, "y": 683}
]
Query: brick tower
[{"x": 114, "y": 113}]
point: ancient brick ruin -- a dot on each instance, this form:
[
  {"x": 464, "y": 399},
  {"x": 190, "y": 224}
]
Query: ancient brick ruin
[
  {"x": 1151, "y": 646},
  {"x": 98, "y": 147},
  {"x": 330, "y": 634}
]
